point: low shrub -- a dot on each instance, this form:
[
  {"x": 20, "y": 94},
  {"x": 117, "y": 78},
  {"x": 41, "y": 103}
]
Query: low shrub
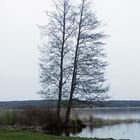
[
  {"x": 37, "y": 117},
  {"x": 77, "y": 123},
  {"x": 46, "y": 118}
]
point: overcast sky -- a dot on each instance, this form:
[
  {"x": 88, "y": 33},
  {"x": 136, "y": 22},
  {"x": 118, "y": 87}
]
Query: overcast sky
[{"x": 19, "y": 40}]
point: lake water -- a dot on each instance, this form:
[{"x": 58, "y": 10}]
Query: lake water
[
  {"x": 121, "y": 131},
  {"x": 108, "y": 113}
]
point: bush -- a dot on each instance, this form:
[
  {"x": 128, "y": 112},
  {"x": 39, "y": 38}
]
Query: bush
[
  {"x": 36, "y": 117},
  {"x": 77, "y": 123},
  {"x": 46, "y": 118}
]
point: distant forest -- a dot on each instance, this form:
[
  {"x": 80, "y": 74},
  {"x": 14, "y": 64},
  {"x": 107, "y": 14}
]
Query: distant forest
[{"x": 77, "y": 104}]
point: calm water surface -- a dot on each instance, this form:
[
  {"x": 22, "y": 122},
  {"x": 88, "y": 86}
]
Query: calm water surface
[
  {"x": 109, "y": 113},
  {"x": 121, "y": 131}
]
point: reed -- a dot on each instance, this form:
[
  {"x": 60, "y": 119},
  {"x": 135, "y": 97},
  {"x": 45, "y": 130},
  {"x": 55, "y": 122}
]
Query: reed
[
  {"x": 98, "y": 122},
  {"x": 7, "y": 117}
]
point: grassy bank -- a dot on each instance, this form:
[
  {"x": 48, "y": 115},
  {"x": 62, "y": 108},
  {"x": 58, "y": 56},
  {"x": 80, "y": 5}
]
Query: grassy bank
[{"x": 12, "y": 134}]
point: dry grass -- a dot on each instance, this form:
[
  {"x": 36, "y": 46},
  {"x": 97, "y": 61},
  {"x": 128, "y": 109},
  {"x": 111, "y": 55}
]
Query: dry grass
[
  {"x": 98, "y": 122},
  {"x": 7, "y": 117},
  {"x": 28, "y": 117}
]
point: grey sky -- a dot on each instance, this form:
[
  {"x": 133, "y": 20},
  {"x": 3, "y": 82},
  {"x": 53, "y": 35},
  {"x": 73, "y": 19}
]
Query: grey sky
[{"x": 19, "y": 38}]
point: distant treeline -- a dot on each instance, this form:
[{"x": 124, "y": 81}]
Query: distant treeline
[{"x": 52, "y": 103}]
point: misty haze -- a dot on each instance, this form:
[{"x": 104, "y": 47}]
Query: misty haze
[{"x": 69, "y": 69}]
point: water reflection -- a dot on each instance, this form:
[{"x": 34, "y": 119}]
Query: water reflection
[
  {"x": 122, "y": 131},
  {"x": 65, "y": 132}
]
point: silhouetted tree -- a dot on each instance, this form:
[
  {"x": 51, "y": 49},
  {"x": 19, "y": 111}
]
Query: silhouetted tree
[
  {"x": 54, "y": 61},
  {"x": 88, "y": 78},
  {"x": 72, "y": 57}
]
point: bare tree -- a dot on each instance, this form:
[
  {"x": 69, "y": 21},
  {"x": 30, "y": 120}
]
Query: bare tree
[
  {"x": 88, "y": 78},
  {"x": 55, "y": 60},
  {"x": 72, "y": 57}
]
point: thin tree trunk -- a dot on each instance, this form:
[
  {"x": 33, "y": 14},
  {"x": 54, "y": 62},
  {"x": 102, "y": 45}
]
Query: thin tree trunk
[
  {"x": 67, "y": 118},
  {"x": 61, "y": 74},
  {"x": 73, "y": 83}
]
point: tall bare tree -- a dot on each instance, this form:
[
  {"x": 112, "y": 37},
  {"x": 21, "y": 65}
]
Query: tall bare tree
[
  {"x": 72, "y": 62},
  {"x": 88, "y": 78},
  {"x": 55, "y": 60}
]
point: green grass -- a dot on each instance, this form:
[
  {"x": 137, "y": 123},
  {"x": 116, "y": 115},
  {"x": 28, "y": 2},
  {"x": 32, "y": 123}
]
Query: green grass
[{"x": 12, "y": 134}]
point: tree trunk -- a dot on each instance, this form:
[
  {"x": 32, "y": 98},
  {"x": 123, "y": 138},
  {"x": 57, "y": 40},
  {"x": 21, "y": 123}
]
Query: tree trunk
[
  {"x": 73, "y": 83},
  {"x": 61, "y": 72},
  {"x": 67, "y": 118},
  {"x": 59, "y": 107}
]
